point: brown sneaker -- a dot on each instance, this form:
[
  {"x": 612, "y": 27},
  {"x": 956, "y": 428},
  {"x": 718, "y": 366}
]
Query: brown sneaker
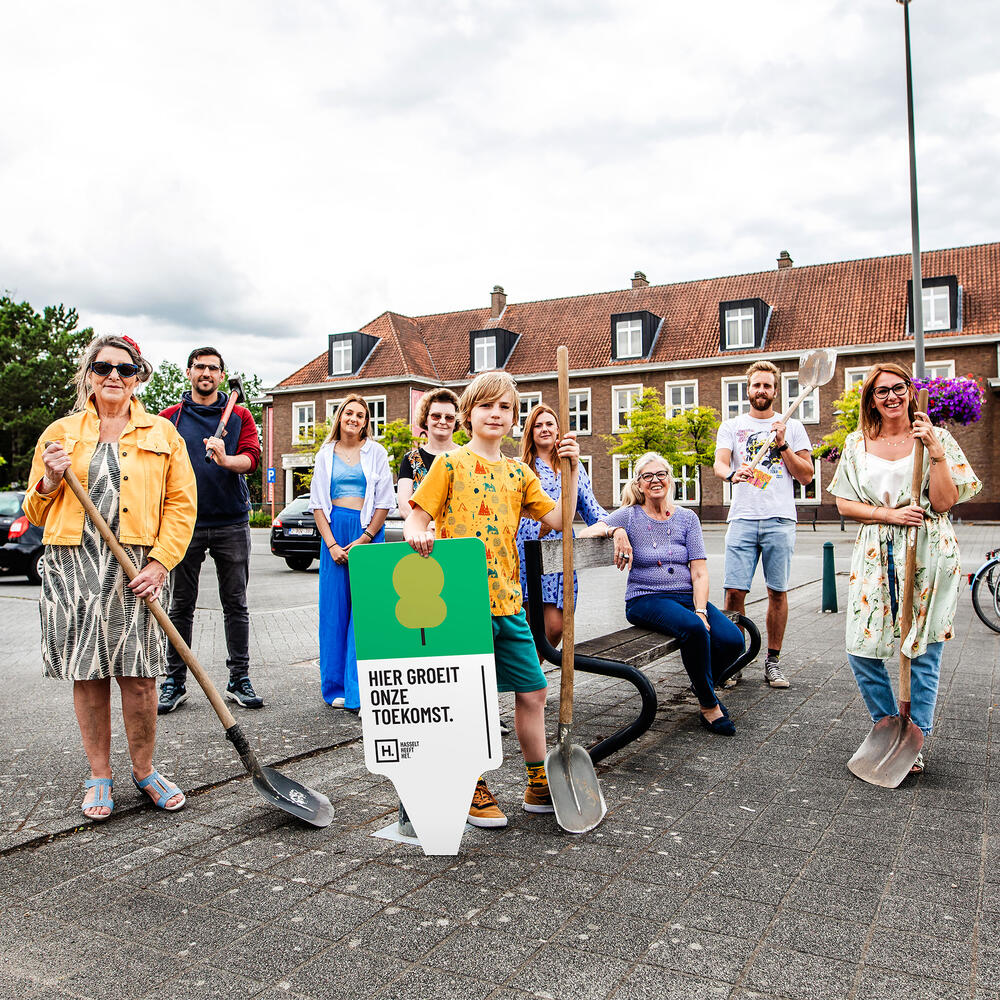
[
  {"x": 537, "y": 799},
  {"x": 484, "y": 810}
]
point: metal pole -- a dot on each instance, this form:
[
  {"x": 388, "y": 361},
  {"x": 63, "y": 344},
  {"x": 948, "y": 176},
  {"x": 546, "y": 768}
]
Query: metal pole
[{"x": 917, "y": 310}]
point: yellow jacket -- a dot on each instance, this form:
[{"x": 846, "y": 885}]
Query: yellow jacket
[{"x": 158, "y": 500}]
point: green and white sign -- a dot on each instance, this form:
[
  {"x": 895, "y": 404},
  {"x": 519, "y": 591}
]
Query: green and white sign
[{"x": 429, "y": 711}]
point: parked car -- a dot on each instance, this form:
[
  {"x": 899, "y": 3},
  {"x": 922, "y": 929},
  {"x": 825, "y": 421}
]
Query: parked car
[
  {"x": 295, "y": 539},
  {"x": 21, "y": 549}
]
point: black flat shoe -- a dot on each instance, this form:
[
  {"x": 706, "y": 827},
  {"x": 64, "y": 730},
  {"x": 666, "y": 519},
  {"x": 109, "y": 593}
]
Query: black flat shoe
[{"x": 721, "y": 727}]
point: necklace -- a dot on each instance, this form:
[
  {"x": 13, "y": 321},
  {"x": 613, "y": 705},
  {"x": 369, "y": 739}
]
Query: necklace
[{"x": 896, "y": 444}]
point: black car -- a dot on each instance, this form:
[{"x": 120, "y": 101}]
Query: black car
[
  {"x": 21, "y": 548},
  {"x": 295, "y": 539}
]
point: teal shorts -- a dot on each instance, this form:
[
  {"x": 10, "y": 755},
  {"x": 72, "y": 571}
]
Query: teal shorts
[{"x": 517, "y": 663}]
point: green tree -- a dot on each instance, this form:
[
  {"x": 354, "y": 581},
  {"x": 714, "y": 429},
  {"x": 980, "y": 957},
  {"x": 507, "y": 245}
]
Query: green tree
[
  {"x": 694, "y": 442},
  {"x": 164, "y": 387},
  {"x": 398, "y": 439},
  {"x": 40, "y": 353},
  {"x": 648, "y": 430},
  {"x": 847, "y": 413}
]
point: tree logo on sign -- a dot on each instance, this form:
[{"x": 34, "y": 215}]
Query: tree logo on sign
[{"x": 419, "y": 582}]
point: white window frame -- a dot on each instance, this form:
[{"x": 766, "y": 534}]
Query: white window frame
[
  {"x": 855, "y": 376},
  {"x": 932, "y": 296},
  {"x": 529, "y": 400},
  {"x": 739, "y": 316},
  {"x": 331, "y": 408},
  {"x": 616, "y": 426},
  {"x": 628, "y": 338},
  {"x": 337, "y": 348},
  {"x": 587, "y": 464},
  {"x": 673, "y": 410},
  {"x": 580, "y": 413},
  {"x": 817, "y": 482},
  {"x": 727, "y": 411},
  {"x": 808, "y": 412},
  {"x": 694, "y": 480},
  {"x": 617, "y": 483},
  {"x": 376, "y": 426},
  {"x": 482, "y": 347},
  {"x": 948, "y": 366},
  {"x": 298, "y": 423}
]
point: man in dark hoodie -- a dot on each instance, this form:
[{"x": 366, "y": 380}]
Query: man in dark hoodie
[{"x": 222, "y": 528}]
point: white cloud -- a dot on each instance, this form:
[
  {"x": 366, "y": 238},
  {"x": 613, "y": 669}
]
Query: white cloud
[{"x": 259, "y": 175}]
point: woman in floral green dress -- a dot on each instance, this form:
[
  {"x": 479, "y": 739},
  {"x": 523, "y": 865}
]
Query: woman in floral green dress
[{"x": 872, "y": 485}]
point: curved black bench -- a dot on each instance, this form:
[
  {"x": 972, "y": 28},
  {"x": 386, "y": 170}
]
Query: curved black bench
[{"x": 618, "y": 654}]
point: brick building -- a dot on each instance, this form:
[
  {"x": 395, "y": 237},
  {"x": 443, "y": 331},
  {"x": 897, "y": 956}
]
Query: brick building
[{"x": 691, "y": 341}]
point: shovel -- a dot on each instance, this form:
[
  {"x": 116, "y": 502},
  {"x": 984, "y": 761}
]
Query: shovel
[
  {"x": 891, "y": 748},
  {"x": 573, "y": 785},
  {"x": 815, "y": 368},
  {"x": 305, "y": 803}
]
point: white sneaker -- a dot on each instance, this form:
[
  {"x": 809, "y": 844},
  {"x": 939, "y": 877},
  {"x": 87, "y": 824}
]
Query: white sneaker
[{"x": 337, "y": 703}]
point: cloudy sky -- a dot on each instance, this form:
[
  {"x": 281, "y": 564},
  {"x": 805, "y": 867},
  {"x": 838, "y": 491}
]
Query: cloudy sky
[{"x": 258, "y": 175}]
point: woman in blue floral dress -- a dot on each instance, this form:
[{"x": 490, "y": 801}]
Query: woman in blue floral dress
[{"x": 538, "y": 451}]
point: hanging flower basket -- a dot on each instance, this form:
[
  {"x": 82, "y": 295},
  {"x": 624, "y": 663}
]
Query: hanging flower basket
[{"x": 953, "y": 400}]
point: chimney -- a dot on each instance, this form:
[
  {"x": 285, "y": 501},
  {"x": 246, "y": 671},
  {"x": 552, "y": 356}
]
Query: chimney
[
  {"x": 639, "y": 280},
  {"x": 784, "y": 260},
  {"x": 498, "y": 301}
]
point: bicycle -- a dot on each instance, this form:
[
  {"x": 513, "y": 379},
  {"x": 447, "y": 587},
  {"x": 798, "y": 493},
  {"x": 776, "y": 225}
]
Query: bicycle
[{"x": 985, "y": 583}]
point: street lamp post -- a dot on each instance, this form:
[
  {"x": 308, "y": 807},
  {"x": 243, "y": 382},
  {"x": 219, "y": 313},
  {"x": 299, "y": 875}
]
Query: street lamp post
[{"x": 917, "y": 308}]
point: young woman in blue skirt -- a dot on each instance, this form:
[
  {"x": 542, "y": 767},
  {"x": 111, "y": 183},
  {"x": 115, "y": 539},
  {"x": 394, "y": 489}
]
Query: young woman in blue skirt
[{"x": 350, "y": 497}]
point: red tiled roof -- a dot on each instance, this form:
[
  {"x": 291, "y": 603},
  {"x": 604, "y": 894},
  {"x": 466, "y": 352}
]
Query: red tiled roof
[{"x": 821, "y": 305}]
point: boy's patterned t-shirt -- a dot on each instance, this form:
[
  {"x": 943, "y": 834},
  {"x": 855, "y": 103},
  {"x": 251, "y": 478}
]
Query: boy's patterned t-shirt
[{"x": 470, "y": 497}]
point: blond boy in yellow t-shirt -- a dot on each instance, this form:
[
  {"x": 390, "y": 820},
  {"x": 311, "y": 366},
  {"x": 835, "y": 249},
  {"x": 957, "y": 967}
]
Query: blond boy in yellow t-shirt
[{"x": 477, "y": 492}]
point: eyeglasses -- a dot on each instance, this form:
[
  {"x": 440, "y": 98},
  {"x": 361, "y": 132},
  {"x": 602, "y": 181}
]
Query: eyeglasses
[
  {"x": 125, "y": 370},
  {"x": 648, "y": 477},
  {"x": 442, "y": 418},
  {"x": 900, "y": 389},
  {"x": 206, "y": 368}
]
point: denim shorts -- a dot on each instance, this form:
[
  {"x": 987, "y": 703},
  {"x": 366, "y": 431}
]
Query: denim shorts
[{"x": 771, "y": 540}]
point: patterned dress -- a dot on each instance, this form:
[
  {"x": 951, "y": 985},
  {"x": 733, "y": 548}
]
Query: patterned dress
[
  {"x": 871, "y": 630},
  {"x": 93, "y": 626},
  {"x": 586, "y": 506}
]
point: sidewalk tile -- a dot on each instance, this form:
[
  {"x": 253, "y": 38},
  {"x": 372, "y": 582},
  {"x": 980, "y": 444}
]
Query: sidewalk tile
[
  {"x": 472, "y": 951},
  {"x": 648, "y": 982},
  {"x": 570, "y": 974},
  {"x": 699, "y": 953},
  {"x": 342, "y": 972},
  {"x": 807, "y": 977},
  {"x": 605, "y": 933}
]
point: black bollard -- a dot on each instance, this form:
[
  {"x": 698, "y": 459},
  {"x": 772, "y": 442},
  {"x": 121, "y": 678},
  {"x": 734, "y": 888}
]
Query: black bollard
[{"x": 829, "y": 579}]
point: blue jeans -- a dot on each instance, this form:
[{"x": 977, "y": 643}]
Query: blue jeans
[
  {"x": 704, "y": 654},
  {"x": 925, "y": 671}
]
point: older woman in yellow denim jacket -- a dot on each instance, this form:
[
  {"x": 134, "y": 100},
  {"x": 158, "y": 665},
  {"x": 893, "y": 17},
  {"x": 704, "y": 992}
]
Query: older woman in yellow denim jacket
[{"x": 95, "y": 623}]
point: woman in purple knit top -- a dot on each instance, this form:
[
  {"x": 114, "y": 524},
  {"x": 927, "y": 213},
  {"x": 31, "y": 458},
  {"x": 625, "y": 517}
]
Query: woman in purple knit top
[{"x": 667, "y": 591}]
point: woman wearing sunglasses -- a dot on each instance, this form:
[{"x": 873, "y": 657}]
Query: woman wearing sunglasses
[
  {"x": 872, "y": 486},
  {"x": 95, "y": 623},
  {"x": 437, "y": 417},
  {"x": 661, "y": 546}
]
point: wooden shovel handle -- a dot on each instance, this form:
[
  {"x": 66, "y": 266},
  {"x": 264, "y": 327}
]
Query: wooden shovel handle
[
  {"x": 155, "y": 607},
  {"x": 906, "y": 609},
  {"x": 784, "y": 418},
  {"x": 568, "y": 510}
]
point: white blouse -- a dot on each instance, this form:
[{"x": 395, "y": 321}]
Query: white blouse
[{"x": 888, "y": 476}]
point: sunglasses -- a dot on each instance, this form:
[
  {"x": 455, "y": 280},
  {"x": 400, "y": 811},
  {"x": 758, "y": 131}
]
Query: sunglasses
[
  {"x": 206, "y": 368},
  {"x": 125, "y": 370},
  {"x": 444, "y": 418},
  {"x": 648, "y": 477},
  {"x": 900, "y": 389}
]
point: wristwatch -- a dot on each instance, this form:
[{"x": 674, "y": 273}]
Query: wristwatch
[{"x": 782, "y": 448}]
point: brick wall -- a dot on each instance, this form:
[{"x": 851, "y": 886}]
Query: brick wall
[{"x": 981, "y": 441}]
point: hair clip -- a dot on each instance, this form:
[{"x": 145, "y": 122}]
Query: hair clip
[{"x": 129, "y": 340}]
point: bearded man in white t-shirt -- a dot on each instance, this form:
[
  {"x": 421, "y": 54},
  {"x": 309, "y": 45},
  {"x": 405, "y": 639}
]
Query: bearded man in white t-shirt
[{"x": 762, "y": 513}]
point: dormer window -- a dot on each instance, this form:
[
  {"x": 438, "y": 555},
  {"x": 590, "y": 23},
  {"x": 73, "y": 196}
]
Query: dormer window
[
  {"x": 347, "y": 352},
  {"x": 743, "y": 324},
  {"x": 340, "y": 357},
  {"x": 629, "y": 338},
  {"x": 633, "y": 334},
  {"x": 484, "y": 353},
  {"x": 942, "y": 299},
  {"x": 490, "y": 348}
]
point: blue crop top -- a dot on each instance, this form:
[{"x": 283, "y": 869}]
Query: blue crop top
[{"x": 347, "y": 481}]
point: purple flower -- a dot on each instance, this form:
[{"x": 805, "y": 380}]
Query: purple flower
[{"x": 953, "y": 400}]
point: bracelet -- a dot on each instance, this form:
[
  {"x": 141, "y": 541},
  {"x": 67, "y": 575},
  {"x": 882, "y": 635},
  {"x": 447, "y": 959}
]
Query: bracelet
[
  {"x": 729, "y": 478},
  {"x": 935, "y": 461},
  {"x": 331, "y": 545},
  {"x": 701, "y": 611},
  {"x": 371, "y": 537}
]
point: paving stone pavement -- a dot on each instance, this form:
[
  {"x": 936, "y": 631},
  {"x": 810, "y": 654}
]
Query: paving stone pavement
[{"x": 749, "y": 868}]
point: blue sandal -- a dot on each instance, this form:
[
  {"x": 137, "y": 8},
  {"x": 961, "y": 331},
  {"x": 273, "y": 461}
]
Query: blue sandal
[
  {"x": 103, "y": 800},
  {"x": 164, "y": 789}
]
